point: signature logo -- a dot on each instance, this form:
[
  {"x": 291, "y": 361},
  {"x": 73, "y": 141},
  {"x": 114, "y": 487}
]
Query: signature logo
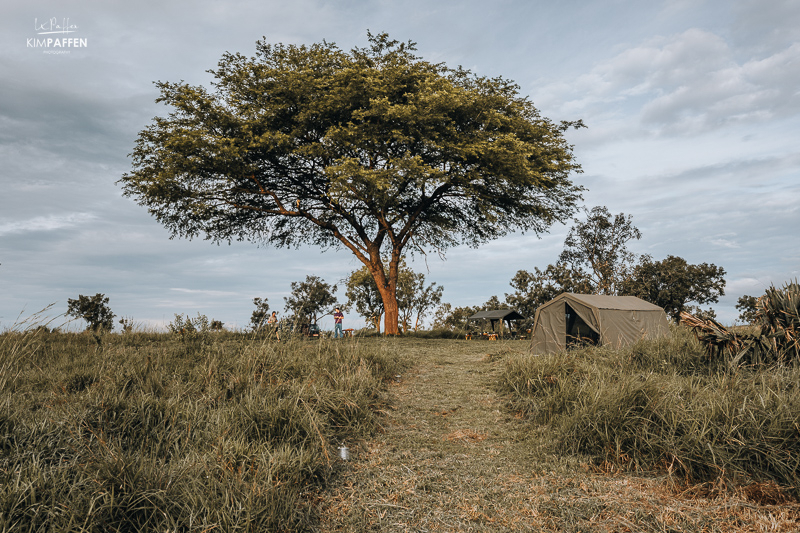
[
  {"x": 53, "y": 28},
  {"x": 52, "y": 25}
]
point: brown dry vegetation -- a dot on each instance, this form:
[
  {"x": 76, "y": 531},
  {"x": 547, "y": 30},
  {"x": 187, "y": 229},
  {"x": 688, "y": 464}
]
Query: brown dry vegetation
[{"x": 452, "y": 457}]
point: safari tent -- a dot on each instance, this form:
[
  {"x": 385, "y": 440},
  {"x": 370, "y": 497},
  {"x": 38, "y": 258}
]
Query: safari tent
[{"x": 578, "y": 319}]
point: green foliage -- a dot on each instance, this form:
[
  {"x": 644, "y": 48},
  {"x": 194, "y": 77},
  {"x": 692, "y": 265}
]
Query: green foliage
[
  {"x": 261, "y": 314},
  {"x": 362, "y": 293},
  {"x": 414, "y": 298},
  {"x": 144, "y": 438},
  {"x": 310, "y": 298},
  {"x": 596, "y": 260},
  {"x": 779, "y": 316},
  {"x": 672, "y": 283},
  {"x": 191, "y": 330},
  {"x": 748, "y": 308},
  {"x": 453, "y": 319},
  {"x": 368, "y": 150},
  {"x": 457, "y": 319},
  {"x": 94, "y": 310},
  {"x": 538, "y": 288},
  {"x": 664, "y": 406},
  {"x": 596, "y": 251}
]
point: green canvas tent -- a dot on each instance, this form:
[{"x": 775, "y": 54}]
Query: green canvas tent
[{"x": 575, "y": 319}]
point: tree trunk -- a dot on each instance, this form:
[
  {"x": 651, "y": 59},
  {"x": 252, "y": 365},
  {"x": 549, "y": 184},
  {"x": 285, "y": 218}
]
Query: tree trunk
[
  {"x": 391, "y": 318},
  {"x": 387, "y": 287}
]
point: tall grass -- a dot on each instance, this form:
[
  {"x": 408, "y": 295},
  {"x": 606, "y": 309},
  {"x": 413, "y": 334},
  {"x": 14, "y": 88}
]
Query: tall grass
[
  {"x": 664, "y": 406},
  {"x": 148, "y": 432}
]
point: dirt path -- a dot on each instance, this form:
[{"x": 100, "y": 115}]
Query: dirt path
[{"x": 452, "y": 459}]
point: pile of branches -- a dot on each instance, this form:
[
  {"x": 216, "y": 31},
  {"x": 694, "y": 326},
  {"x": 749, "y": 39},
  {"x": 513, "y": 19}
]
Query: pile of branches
[
  {"x": 722, "y": 344},
  {"x": 776, "y": 341}
]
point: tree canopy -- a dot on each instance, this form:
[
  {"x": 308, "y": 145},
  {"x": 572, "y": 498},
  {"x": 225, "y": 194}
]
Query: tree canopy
[
  {"x": 596, "y": 260},
  {"x": 362, "y": 293},
  {"x": 310, "y": 299},
  {"x": 374, "y": 150},
  {"x": 673, "y": 283},
  {"x": 94, "y": 310},
  {"x": 596, "y": 249},
  {"x": 261, "y": 314}
]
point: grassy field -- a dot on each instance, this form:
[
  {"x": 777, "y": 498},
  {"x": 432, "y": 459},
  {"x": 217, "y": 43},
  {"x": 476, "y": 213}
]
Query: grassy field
[
  {"x": 154, "y": 432},
  {"x": 226, "y": 432}
]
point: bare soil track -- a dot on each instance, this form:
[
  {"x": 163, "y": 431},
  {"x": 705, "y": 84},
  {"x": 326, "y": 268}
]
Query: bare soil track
[{"x": 451, "y": 458}]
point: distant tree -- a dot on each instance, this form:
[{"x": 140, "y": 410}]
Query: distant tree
[
  {"x": 705, "y": 314},
  {"x": 362, "y": 293},
  {"x": 672, "y": 283},
  {"x": 492, "y": 304},
  {"x": 748, "y": 309},
  {"x": 455, "y": 319},
  {"x": 426, "y": 299},
  {"x": 259, "y": 317},
  {"x": 216, "y": 325},
  {"x": 310, "y": 298},
  {"x": 374, "y": 150},
  {"x": 596, "y": 249},
  {"x": 94, "y": 310},
  {"x": 414, "y": 298},
  {"x": 537, "y": 288}
]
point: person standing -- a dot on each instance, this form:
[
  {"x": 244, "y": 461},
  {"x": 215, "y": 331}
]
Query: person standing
[
  {"x": 272, "y": 323},
  {"x": 338, "y": 316}
]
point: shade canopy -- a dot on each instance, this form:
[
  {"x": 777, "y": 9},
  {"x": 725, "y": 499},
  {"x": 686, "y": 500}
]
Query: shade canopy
[
  {"x": 615, "y": 321},
  {"x": 498, "y": 315}
]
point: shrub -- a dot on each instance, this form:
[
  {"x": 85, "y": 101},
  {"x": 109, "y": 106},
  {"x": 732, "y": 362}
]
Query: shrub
[{"x": 94, "y": 310}]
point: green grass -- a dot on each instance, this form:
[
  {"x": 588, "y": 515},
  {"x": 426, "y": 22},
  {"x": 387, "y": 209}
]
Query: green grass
[
  {"x": 234, "y": 432},
  {"x": 151, "y": 432},
  {"x": 663, "y": 406}
]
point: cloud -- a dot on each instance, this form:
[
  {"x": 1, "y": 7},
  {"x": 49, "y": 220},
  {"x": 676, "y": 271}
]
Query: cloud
[
  {"x": 686, "y": 83},
  {"x": 205, "y": 292},
  {"x": 48, "y": 223}
]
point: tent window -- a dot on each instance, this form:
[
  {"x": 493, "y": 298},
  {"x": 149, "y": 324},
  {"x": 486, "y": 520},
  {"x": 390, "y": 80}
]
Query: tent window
[{"x": 579, "y": 333}]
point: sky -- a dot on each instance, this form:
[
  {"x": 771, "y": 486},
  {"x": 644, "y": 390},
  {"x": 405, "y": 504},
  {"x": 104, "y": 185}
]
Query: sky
[{"x": 692, "y": 108}]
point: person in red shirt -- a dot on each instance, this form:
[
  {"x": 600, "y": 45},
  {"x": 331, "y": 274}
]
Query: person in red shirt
[{"x": 338, "y": 316}]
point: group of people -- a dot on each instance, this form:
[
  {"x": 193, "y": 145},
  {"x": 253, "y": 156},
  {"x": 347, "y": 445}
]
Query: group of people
[{"x": 338, "y": 317}]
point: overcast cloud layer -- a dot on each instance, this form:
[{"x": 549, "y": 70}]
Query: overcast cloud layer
[{"x": 692, "y": 110}]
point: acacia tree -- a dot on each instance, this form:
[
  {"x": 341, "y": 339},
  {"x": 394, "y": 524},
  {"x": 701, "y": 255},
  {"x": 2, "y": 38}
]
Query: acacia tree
[
  {"x": 374, "y": 150},
  {"x": 425, "y": 299}
]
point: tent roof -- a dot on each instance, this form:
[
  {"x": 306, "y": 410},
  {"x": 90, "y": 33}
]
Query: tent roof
[
  {"x": 602, "y": 301},
  {"x": 504, "y": 314}
]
